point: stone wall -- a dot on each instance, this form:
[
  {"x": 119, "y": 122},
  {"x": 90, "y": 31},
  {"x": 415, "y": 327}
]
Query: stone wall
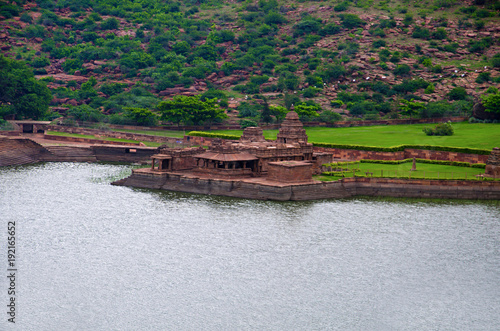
[
  {"x": 119, "y": 135},
  {"x": 348, "y": 187},
  {"x": 290, "y": 171},
  {"x": 355, "y": 155},
  {"x": 86, "y": 140}
]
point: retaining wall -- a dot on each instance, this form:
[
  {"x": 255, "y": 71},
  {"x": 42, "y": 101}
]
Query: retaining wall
[
  {"x": 345, "y": 188},
  {"x": 113, "y": 134},
  {"x": 355, "y": 155}
]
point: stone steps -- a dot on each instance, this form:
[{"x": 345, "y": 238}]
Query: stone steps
[
  {"x": 12, "y": 158},
  {"x": 70, "y": 154}
]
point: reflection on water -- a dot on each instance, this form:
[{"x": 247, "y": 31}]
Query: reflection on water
[{"x": 98, "y": 257}]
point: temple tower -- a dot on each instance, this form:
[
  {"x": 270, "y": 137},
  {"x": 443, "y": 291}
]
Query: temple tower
[{"x": 291, "y": 130}]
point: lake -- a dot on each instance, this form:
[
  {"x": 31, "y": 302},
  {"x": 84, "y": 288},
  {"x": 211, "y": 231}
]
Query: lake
[{"x": 92, "y": 256}]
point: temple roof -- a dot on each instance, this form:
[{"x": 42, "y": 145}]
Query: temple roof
[{"x": 226, "y": 157}]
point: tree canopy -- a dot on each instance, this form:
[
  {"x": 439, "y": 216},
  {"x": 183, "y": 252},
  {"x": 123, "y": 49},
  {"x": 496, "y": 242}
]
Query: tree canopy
[
  {"x": 491, "y": 102},
  {"x": 191, "y": 110},
  {"x": 20, "y": 93}
]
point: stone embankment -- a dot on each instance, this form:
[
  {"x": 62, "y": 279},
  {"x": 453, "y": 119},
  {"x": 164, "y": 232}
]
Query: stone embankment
[
  {"x": 345, "y": 188},
  {"x": 19, "y": 151}
]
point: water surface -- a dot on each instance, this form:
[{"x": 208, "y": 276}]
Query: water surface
[{"x": 92, "y": 256}]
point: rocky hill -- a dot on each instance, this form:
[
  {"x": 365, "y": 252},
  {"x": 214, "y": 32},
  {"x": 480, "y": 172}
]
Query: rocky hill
[{"x": 356, "y": 58}]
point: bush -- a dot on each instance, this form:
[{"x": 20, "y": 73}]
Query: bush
[
  {"x": 329, "y": 116},
  {"x": 310, "y": 92},
  {"x": 483, "y": 77},
  {"x": 439, "y": 34},
  {"x": 329, "y": 29},
  {"x": 85, "y": 113},
  {"x": 379, "y": 43},
  {"x": 442, "y": 129},
  {"x": 458, "y": 93},
  {"x": 350, "y": 21},
  {"x": 402, "y": 70},
  {"x": 421, "y": 33},
  {"x": 245, "y": 123},
  {"x": 40, "y": 62},
  {"x": 341, "y": 6},
  {"x": 110, "y": 24},
  {"x": 307, "y": 26}
]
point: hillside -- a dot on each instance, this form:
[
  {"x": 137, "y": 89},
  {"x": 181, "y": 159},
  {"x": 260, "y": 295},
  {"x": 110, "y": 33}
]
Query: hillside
[{"x": 353, "y": 58}]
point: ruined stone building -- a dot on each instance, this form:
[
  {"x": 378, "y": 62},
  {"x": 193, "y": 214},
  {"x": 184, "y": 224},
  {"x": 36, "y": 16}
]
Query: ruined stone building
[{"x": 290, "y": 158}]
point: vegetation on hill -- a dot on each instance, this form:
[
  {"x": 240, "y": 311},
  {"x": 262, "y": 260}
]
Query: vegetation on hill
[{"x": 120, "y": 61}]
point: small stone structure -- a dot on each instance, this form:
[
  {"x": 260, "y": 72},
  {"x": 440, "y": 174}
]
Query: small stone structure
[
  {"x": 29, "y": 126},
  {"x": 174, "y": 159},
  {"x": 290, "y": 171},
  {"x": 252, "y": 134},
  {"x": 493, "y": 164}
]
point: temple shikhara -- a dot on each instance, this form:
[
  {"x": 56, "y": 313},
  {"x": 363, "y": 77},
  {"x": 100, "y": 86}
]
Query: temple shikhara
[{"x": 288, "y": 159}]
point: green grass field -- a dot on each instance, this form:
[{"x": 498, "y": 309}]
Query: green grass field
[
  {"x": 483, "y": 136},
  {"x": 423, "y": 170}
]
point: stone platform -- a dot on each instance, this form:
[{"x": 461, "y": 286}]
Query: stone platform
[{"x": 266, "y": 189}]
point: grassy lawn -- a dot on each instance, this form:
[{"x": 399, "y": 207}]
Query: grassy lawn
[
  {"x": 163, "y": 133},
  {"x": 76, "y": 135},
  {"x": 483, "y": 136},
  {"x": 424, "y": 170}
]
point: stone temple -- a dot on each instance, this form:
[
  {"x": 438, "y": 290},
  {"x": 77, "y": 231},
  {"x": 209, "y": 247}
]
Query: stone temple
[{"x": 288, "y": 159}]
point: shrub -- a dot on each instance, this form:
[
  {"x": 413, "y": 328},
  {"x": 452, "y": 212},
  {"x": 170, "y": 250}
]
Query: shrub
[
  {"x": 483, "y": 77},
  {"x": 310, "y": 92},
  {"x": 110, "y": 24},
  {"x": 402, "y": 70},
  {"x": 85, "y": 113},
  {"x": 458, "y": 93},
  {"x": 439, "y": 34},
  {"x": 350, "y": 21},
  {"x": 442, "y": 129},
  {"x": 495, "y": 60},
  {"x": 245, "y": 123},
  {"x": 421, "y": 33},
  {"x": 341, "y": 6},
  {"x": 40, "y": 62},
  {"x": 329, "y": 29},
  {"x": 307, "y": 26},
  {"x": 329, "y": 116},
  {"x": 274, "y": 18},
  {"x": 379, "y": 43}
]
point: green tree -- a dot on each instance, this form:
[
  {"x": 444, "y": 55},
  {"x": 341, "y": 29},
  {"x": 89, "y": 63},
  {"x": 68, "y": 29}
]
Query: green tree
[
  {"x": 20, "y": 92},
  {"x": 141, "y": 116},
  {"x": 491, "y": 102},
  {"x": 279, "y": 112},
  {"x": 329, "y": 116},
  {"x": 191, "y": 110},
  {"x": 307, "y": 112},
  {"x": 411, "y": 107},
  {"x": 85, "y": 113}
]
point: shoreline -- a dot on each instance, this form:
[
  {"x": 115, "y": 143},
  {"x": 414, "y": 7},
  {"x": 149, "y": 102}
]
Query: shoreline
[{"x": 262, "y": 189}]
